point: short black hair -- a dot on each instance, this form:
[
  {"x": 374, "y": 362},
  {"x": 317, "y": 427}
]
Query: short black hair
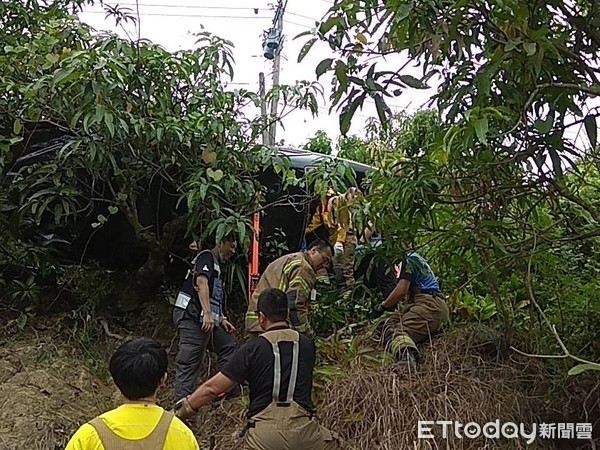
[
  {"x": 273, "y": 304},
  {"x": 211, "y": 241},
  {"x": 321, "y": 244},
  {"x": 137, "y": 367}
]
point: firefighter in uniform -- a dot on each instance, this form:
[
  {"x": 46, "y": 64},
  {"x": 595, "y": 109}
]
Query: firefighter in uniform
[
  {"x": 418, "y": 287},
  {"x": 333, "y": 215},
  {"x": 279, "y": 369},
  {"x": 322, "y": 226},
  {"x": 294, "y": 274}
]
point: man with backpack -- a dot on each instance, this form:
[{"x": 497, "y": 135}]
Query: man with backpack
[
  {"x": 199, "y": 316},
  {"x": 139, "y": 369}
]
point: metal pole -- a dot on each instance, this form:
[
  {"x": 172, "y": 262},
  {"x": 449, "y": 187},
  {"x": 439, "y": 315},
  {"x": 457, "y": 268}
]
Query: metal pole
[
  {"x": 276, "y": 69},
  {"x": 263, "y": 108}
]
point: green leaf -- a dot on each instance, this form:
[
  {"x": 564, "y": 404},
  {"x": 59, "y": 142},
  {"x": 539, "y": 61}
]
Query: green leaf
[
  {"x": 323, "y": 66},
  {"x": 530, "y": 48},
  {"x": 360, "y": 37},
  {"x": 591, "y": 128},
  {"x": 17, "y": 126},
  {"x": 556, "y": 162},
  {"x": 580, "y": 368},
  {"x": 113, "y": 209},
  {"x": 348, "y": 113},
  {"x": 304, "y": 33},
  {"x": 108, "y": 120},
  {"x": 215, "y": 175},
  {"x": 306, "y": 48},
  {"x": 60, "y": 75},
  {"x": 382, "y": 109},
  {"x": 326, "y": 26},
  {"x": 341, "y": 74},
  {"x": 511, "y": 45},
  {"x": 403, "y": 11},
  {"x": 413, "y": 82},
  {"x": 544, "y": 126},
  {"x": 218, "y": 175},
  {"x": 481, "y": 129}
]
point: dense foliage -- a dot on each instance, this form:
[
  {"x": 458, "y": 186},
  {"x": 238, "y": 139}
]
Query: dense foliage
[
  {"x": 115, "y": 148},
  {"x": 501, "y": 191}
]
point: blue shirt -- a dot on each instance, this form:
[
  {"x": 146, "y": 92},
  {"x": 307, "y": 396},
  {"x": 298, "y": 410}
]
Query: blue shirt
[{"x": 417, "y": 271}]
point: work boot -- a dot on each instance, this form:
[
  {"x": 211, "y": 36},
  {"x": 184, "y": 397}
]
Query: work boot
[{"x": 407, "y": 359}]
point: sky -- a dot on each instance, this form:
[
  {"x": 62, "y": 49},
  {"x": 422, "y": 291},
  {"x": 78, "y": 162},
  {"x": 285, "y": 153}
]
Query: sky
[{"x": 171, "y": 24}]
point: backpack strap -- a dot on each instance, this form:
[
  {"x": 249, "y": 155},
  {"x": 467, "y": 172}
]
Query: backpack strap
[
  {"x": 157, "y": 438},
  {"x": 109, "y": 439},
  {"x": 154, "y": 441}
]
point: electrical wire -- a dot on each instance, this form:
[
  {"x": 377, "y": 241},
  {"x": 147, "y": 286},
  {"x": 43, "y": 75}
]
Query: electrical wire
[
  {"x": 228, "y": 8},
  {"x": 187, "y": 15},
  {"x": 302, "y": 16},
  {"x": 308, "y": 27},
  {"x": 156, "y": 5}
]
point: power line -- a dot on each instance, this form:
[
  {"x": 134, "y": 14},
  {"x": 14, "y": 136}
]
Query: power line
[
  {"x": 156, "y": 5},
  {"x": 187, "y": 15},
  {"x": 228, "y": 8},
  {"x": 298, "y": 24},
  {"x": 302, "y": 16}
]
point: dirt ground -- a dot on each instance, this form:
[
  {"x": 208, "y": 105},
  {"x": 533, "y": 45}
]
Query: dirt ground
[{"x": 47, "y": 390}]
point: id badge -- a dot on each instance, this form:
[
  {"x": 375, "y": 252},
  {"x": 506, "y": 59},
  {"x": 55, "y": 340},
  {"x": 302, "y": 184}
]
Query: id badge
[{"x": 182, "y": 301}]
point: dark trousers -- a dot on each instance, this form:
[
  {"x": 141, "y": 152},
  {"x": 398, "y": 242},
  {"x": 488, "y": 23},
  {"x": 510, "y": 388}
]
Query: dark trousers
[{"x": 193, "y": 343}]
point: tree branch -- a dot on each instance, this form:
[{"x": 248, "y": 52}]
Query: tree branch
[{"x": 566, "y": 353}]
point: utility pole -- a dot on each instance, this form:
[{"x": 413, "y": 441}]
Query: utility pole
[
  {"x": 276, "y": 69},
  {"x": 272, "y": 50},
  {"x": 263, "y": 108}
]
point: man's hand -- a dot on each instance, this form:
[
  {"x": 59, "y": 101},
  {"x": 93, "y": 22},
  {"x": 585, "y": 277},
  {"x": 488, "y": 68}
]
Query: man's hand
[
  {"x": 183, "y": 409},
  {"x": 208, "y": 324},
  {"x": 380, "y": 309},
  {"x": 338, "y": 249},
  {"x": 227, "y": 326}
]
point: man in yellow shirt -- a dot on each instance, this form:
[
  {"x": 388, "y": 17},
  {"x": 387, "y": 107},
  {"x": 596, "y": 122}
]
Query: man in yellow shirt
[{"x": 139, "y": 369}]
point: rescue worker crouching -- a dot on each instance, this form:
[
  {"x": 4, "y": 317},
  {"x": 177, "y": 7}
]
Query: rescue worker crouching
[
  {"x": 426, "y": 312},
  {"x": 279, "y": 369},
  {"x": 295, "y": 274}
]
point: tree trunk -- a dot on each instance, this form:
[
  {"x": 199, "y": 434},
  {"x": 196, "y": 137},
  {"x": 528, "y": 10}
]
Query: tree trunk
[{"x": 144, "y": 284}]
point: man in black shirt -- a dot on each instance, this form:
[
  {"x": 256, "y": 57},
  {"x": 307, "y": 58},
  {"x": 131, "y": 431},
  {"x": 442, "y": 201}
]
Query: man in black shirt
[
  {"x": 279, "y": 369},
  {"x": 199, "y": 316}
]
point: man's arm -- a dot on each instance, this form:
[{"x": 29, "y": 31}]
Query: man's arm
[
  {"x": 203, "y": 291},
  {"x": 315, "y": 221},
  {"x": 206, "y": 393},
  {"x": 298, "y": 295},
  {"x": 399, "y": 294}
]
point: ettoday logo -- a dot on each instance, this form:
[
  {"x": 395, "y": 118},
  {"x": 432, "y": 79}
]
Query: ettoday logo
[{"x": 429, "y": 429}]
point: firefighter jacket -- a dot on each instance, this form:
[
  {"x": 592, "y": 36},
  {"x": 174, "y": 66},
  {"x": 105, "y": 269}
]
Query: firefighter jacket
[
  {"x": 294, "y": 275},
  {"x": 332, "y": 215}
]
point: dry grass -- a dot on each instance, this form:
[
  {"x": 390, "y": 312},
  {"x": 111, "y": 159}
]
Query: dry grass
[
  {"x": 379, "y": 407},
  {"x": 46, "y": 393}
]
